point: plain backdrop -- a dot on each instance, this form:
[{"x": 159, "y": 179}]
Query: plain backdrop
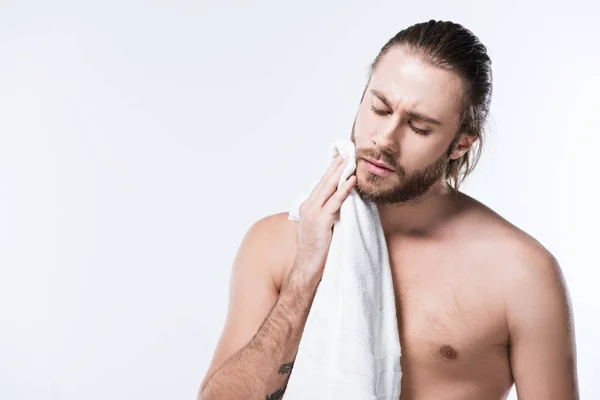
[{"x": 140, "y": 140}]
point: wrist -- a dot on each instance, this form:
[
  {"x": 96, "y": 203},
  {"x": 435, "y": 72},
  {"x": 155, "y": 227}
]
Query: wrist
[{"x": 298, "y": 290}]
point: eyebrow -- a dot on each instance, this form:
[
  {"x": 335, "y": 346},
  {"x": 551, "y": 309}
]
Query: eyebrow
[{"x": 411, "y": 113}]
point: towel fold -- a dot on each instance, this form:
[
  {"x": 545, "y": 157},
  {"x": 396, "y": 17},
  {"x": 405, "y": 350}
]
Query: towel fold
[{"x": 350, "y": 347}]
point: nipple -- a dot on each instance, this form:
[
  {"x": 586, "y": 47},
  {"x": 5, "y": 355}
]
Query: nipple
[{"x": 448, "y": 352}]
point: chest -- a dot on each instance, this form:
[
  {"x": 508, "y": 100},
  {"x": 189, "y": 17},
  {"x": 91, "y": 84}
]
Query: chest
[{"x": 450, "y": 313}]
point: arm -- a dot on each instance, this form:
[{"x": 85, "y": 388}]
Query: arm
[
  {"x": 263, "y": 364},
  {"x": 542, "y": 342},
  {"x": 256, "y": 350}
]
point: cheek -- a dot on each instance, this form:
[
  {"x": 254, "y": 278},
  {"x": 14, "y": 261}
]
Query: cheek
[
  {"x": 421, "y": 153},
  {"x": 364, "y": 127}
]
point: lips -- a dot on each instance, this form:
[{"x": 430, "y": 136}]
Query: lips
[{"x": 379, "y": 164}]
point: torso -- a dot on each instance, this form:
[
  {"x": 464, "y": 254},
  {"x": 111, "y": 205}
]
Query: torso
[
  {"x": 450, "y": 294},
  {"x": 452, "y": 324}
]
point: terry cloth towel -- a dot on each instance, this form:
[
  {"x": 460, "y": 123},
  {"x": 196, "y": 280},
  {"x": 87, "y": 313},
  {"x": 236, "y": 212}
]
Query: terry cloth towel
[{"x": 350, "y": 347}]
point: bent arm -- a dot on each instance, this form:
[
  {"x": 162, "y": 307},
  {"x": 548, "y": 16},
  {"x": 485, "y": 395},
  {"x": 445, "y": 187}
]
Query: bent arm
[
  {"x": 260, "y": 340},
  {"x": 260, "y": 370}
]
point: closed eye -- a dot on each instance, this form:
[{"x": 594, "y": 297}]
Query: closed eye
[{"x": 414, "y": 128}]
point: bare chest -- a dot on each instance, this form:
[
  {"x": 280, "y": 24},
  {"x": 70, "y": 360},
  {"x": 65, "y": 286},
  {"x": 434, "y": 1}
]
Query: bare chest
[{"x": 451, "y": 317}]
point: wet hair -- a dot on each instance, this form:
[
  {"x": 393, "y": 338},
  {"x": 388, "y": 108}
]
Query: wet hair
[{"x": 451, "y": 46}]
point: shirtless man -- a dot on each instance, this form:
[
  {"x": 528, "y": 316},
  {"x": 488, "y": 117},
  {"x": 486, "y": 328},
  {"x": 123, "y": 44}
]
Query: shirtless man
[{"x": 481, "y": 305}]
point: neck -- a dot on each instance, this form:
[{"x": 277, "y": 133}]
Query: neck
[{"x": 422, "y": 216}]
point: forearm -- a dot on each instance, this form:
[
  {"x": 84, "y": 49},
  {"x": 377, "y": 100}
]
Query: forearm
[{"x": 261, "y": 369}]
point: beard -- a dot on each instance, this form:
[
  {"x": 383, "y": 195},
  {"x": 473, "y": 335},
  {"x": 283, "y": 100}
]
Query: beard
[{"x": 398, "y": 187}]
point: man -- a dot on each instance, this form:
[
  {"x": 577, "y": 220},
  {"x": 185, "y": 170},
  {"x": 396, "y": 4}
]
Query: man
[{"x": 481, "y": 305}]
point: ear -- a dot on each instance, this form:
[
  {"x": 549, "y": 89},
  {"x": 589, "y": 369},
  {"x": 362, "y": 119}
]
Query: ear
[{"x": 464, "y": 145}]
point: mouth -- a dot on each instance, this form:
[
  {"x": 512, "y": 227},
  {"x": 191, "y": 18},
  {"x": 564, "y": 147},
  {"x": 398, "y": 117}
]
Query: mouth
[
  {"x": 377, "y": 167},
  {"x": 379, "y": 164}
]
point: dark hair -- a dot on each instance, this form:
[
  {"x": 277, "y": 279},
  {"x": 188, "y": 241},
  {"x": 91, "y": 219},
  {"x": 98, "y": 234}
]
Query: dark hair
[{"x": 451, "y": 46}]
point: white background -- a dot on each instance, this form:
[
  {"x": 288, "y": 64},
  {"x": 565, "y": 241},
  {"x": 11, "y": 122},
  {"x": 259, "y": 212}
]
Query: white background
[{"x": 140, "y": 140}]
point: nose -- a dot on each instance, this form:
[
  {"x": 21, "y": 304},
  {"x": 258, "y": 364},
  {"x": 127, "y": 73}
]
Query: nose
[{"x": 386, "y": 139}]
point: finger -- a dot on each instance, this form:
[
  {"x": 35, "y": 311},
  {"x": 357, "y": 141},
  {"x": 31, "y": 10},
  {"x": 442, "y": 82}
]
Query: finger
[
  {"x": 337, "y": 160},
  {"x": 330, "y": 186},
  {"x": 323, "y": 190},
  {"x": 335, "y": 202}
]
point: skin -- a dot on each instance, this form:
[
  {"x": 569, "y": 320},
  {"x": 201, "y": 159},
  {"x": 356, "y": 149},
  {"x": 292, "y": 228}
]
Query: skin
[{"x": 481, "y": 304}]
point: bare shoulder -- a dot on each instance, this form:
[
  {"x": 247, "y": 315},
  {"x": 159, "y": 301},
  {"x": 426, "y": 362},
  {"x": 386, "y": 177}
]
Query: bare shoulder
[
  {"x": 504, "y": 239},
  {"x": 278, "y": 234},
  {"x": 518, "y": 260}
]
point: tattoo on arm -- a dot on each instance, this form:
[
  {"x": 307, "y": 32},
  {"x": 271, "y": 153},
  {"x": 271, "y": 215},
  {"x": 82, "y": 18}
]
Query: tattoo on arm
[
  {"x": 276, "y": 395},
  {"x": 286, "y": 368}
]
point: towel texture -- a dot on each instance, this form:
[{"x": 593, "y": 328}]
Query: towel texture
[{"x": 350, "y": 347}]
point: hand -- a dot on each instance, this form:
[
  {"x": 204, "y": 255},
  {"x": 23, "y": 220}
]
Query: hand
[{"x": 317, "y": 215}]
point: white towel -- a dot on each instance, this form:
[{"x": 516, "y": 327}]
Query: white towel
[{"x": 350, "y": 347}]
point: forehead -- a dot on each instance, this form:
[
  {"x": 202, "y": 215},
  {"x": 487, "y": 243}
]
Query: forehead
[{"x": 408, "y": 81}]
